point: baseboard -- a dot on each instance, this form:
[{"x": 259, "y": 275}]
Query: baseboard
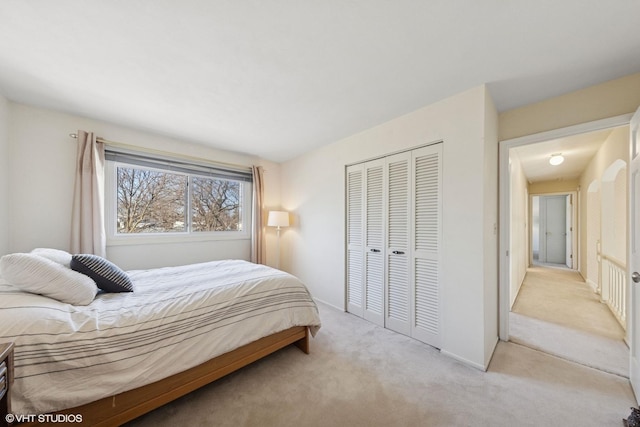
[
  {"x": 463, "y": 360},
  {"x": 330, "y": 305},
  {"x": 592, "y": 285},
  {"x": 517, "y": 292}
]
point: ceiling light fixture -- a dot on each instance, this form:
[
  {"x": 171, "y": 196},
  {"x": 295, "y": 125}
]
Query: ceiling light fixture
[{"x": 556, "y": 159}]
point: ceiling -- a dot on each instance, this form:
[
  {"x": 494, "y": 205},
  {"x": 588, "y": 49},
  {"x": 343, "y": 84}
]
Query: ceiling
[
  {"x": 577, "y": 150},
  {"x": 277, "y": 79}
]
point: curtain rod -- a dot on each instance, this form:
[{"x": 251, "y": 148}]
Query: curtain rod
[{"x": 162, "y": 153}]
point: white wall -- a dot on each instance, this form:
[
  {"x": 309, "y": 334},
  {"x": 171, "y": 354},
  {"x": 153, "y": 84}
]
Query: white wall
[
  {"x": 313, "y": 190},
  {"x": 4, "y": 176},
  {"x": 592, "y": 233},
  {"x": 601, "y": 101},
  {"x": 490, "y": 251},
  {"x": 42, "y": 162},
  {"x": 614, "y": 211},
  {"x": 615, "y": 147},
  {"x": 620, "y": 199},
  {"x": 271, "y": 201},
  {"x": 519, "y": 233}
]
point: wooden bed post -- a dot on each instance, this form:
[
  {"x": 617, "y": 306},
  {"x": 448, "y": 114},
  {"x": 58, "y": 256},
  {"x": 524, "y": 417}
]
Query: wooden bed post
[{"x": 303, "y": 343}]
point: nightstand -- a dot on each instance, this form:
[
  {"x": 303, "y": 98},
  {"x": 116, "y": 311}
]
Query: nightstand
[{"x": 6, "y": 378}]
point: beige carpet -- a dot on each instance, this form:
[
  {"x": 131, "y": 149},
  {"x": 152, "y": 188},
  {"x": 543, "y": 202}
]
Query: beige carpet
[
  {"x": 359, "y": 374},
  {"x": 558, "y": 313}
]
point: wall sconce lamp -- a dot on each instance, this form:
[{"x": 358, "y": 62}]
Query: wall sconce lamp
[{"x": 278, "y": 219}]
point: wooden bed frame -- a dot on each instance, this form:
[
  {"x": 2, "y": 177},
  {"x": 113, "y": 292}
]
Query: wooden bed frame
[{"x": 123, "y": 407}]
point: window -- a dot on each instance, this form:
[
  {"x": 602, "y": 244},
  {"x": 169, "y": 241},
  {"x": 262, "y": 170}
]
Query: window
[
  {"x": 215, "y": 204},
  {"x": 154, "y": 198},
  {"x": 150, "y": 201}
]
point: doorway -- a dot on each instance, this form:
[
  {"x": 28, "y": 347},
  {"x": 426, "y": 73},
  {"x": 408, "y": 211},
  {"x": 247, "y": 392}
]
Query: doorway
[
  {"x": 552, "y": 219},
  {"x": 553, "y": 233}
]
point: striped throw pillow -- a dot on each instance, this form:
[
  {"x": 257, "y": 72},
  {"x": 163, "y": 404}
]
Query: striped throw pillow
[{"x": 108, "y": 276}]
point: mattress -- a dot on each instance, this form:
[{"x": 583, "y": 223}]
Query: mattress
[{"x": 177, "y": 318}]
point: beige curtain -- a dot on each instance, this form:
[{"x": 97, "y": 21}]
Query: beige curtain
[
  {"x": 87, "y": 217},
  {"x": 257, "y": 223}
]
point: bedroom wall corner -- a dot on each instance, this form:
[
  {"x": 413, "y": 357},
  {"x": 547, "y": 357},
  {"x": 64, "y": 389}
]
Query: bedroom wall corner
[
  {"x": 272, "y": 201},
  {"x": 4, "y": 176}
]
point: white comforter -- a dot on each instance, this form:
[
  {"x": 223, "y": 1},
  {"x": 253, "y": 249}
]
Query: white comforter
[{"x": 177, "y": 318}]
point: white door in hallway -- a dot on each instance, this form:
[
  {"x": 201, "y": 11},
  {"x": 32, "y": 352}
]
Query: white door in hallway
[
  {"x": 634, "y": 249},
  {"x": 553, "y": 226},
  {"x": 569, "y": 231}
]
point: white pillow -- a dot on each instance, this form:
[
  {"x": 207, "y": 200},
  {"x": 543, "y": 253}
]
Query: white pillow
[
  {"x": 39, "y": 275},
  {"x": 57, "y": 255}
]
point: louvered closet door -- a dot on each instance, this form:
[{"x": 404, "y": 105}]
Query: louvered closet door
[
  {"x": 355, "y": 239},
  {"x": 374, "y": 241},
  {"x": 398, "y": 292},
  {"x": 426, "y": 245}
]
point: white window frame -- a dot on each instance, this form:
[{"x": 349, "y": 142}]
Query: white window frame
[{"x": 111, "y": 214}]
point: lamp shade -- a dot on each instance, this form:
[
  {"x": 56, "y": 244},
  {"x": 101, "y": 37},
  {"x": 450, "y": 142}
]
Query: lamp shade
[{"x": 278, "y": 219}]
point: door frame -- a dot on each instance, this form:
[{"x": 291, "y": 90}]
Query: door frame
[
  {"x": 632, "y": 255},
  {"x": 504, "y": 187}
]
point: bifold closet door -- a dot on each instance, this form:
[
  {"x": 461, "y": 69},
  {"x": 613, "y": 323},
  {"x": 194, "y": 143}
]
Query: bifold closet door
[
  {"x": 374, "y": 209},
  {"x": 355, "y": 239},
  {"x": 394, "y": 222},
  {"x": 398, "y": 273},
  {"x": 426, "y": 211}
]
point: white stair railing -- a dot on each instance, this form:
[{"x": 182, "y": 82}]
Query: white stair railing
[{"x": 614, "y": 288}]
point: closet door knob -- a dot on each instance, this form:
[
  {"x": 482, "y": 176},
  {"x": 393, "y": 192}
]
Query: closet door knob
[
  {"x": 375, "y": 250},
  {"x": 398, "y": 252}
]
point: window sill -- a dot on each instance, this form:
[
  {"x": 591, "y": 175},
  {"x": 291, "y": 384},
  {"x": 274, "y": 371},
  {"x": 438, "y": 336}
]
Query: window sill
[{"x": 140, "y": 239}]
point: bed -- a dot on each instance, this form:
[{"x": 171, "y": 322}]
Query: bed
[{"x": 125, "y": 354}]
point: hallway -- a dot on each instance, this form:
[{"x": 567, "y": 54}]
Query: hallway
[{"x": 558, "y": 313}]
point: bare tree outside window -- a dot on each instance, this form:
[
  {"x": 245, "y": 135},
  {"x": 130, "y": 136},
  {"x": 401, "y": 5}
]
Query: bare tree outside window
[
  {"x": 155, "y": 201},
  {"x": 215, "y": 204},
  {"x": 150, "y": 201}
]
